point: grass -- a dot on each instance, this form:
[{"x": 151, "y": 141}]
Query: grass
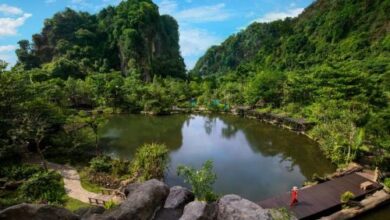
[
  {"x": 74, "y": 204},
  {"x": 86, "y": 184}
]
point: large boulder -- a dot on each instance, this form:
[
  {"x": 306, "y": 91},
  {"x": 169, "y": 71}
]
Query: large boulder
[
  {"x": 36, "y": 212},
  {"x": 143, "y": 202},
  {"x": 233, "y": 207},
  {"x": 178, "y": 197},
  {"x": 199, "y": 211},
  {"x": 168, "y": 214},
  {"x": 87, "y": 212},
  {"x": 130, "y": 188}
]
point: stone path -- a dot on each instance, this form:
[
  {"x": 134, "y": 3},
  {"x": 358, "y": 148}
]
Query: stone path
[{"x": 73, "y": 185}]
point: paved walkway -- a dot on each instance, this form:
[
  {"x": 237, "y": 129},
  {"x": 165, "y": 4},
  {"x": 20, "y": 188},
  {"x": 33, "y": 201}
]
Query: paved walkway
[{"x": 73, "y": 185}]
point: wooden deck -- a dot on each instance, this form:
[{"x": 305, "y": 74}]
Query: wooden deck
[{"x": 321, "y": 199}]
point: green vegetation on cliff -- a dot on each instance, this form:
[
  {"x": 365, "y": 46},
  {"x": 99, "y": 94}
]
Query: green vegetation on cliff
[
  {"x": 131, "y": 38},
  {"x": 330, "y": 65}
]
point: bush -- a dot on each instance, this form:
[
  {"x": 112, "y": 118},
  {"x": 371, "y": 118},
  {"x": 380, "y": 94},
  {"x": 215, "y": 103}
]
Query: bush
[
  {"x": 386, "y": 182},
  {"x": 120, "y": 168},
  {"x": 101, "y": 164},
  {"x": 110, "y": 205},
  {"x": 45, "y": 187},
  {"x": 346, "y": 197},
  {"x": 150, "y": 162},
  {"x": 20, "y": 172},
  {"x": 201, "y": 180}
]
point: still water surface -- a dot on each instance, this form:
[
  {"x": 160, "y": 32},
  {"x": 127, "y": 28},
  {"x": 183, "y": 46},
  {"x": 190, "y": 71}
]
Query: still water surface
[{"x": 251, "y": 159}]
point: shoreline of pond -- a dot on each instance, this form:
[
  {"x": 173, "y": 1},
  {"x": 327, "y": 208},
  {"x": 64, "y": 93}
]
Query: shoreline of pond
[{"x": 299, "y": 126}]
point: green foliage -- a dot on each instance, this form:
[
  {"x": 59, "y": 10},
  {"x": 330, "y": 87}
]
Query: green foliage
[
  {"x": 150, "y": 161},
  {"x": 44, "y": 186},
  {"x": 73, "y": 44},
  {"x": 101, "y": 164},
  {"x": 86, "y": 183},
  {"x": 281, "y": 214},
  {"x": 74, "y": 204},
  {"x": 19, "y": 172},
  {"x": 201, "y": 180},
  {"x": 265, "y": 86},
  {"x": 110, "y": 205},
  {"x": 386, "y": 182},
  {"x": 346, "y": 197},
  {"x": 336, "y": 77}
]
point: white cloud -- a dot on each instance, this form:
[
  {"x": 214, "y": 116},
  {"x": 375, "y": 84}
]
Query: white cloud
[
  {"x": 7, "y": 48},
  {"x": 208, "y": 13},
  {"x": 7, "y": 54},
  {"x": 273, "y": 16},
  {"x": 195, "y": 41},
  {"x": 167, "y": 7},
  {"x": 10, "y": 10},
  {"x": 9, "y": 26},
  {"x": 201, "y": 14}
]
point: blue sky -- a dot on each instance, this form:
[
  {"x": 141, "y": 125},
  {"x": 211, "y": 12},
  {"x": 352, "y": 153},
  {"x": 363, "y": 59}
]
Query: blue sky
[{"x": 202, "y": 22}]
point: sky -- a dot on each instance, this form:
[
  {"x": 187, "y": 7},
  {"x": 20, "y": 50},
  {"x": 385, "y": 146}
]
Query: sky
[{"x": 202, "y": 23}]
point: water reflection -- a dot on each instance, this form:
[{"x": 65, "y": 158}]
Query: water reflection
[{"x": 251, "y": 159}]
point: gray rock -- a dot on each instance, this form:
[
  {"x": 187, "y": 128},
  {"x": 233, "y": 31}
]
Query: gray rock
[
  {"x": 85, "y": 213},
  {"x": 178, "y": 197},
  {"x": 131, "y": 188},
  {"x": 168, "y": 214},
  {"x": 233, "y": 207},
  {"x": 199, "y": 211},
  {"x": 36, "y": 212},
  {"x": 143, "y": 202}
]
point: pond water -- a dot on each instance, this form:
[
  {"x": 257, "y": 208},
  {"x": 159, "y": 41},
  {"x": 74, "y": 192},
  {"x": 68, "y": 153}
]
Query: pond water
[{"x": 251, "y": 159}]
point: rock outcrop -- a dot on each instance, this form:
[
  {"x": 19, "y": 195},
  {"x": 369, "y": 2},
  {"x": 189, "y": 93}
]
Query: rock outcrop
[
  {"x": 233, "y": 207},
  {"x": 152, "y": 200},
  {"x": 143, "y": 202},
  {"x": 129, "y": 189},
  {"x": 36, "y": 212},
  {"x": 199, "y": 211},
  {"x": 178, "y": 197},
  {"x": 86, "y": 213}
]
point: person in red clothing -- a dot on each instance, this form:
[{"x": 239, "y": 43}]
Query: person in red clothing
[{"x": 294, "y": 196}]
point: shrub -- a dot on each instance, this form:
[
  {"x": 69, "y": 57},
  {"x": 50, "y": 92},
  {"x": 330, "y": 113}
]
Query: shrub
[
  {"x": 386, "y": 182},
  {"x": 201, "y": 180},
  {"x": 120, "y": 168},
  {"x": 150, "y": 162},
  {"x": 44, "y": 186},
  {"x": 20, "y": 172},
  {"x": 101, "y": 164},
  {"x": 346, "y": 197},
  {"x": 110, "y": 205}
]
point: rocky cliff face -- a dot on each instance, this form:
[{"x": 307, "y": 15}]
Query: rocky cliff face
[{"x": 132, "y": 38}]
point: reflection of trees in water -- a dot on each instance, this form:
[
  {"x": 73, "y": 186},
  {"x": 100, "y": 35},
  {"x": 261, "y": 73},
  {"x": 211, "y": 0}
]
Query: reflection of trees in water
[
  {"x": 293, "y": 150},
  {"x": 229, "y": 131},
  {"x": 210, "y": 121},
  {"x": 136, "y": 130}
]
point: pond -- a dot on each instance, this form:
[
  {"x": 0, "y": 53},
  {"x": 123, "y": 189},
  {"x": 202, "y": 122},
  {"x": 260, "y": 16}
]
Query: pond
[{"x": 251, "y": 158}]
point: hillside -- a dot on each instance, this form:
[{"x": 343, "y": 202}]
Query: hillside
[
  {"x": 330, "y": 65},
  {"x": 132, "y": 37},
  {"x": 333, "y": 31}
]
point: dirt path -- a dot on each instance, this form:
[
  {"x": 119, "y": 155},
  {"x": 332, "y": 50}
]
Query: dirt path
[{"x": 73, "y": 185}]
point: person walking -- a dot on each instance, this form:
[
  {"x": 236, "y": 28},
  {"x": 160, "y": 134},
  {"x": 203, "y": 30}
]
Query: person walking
[{"x": 294, "y": 196}]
